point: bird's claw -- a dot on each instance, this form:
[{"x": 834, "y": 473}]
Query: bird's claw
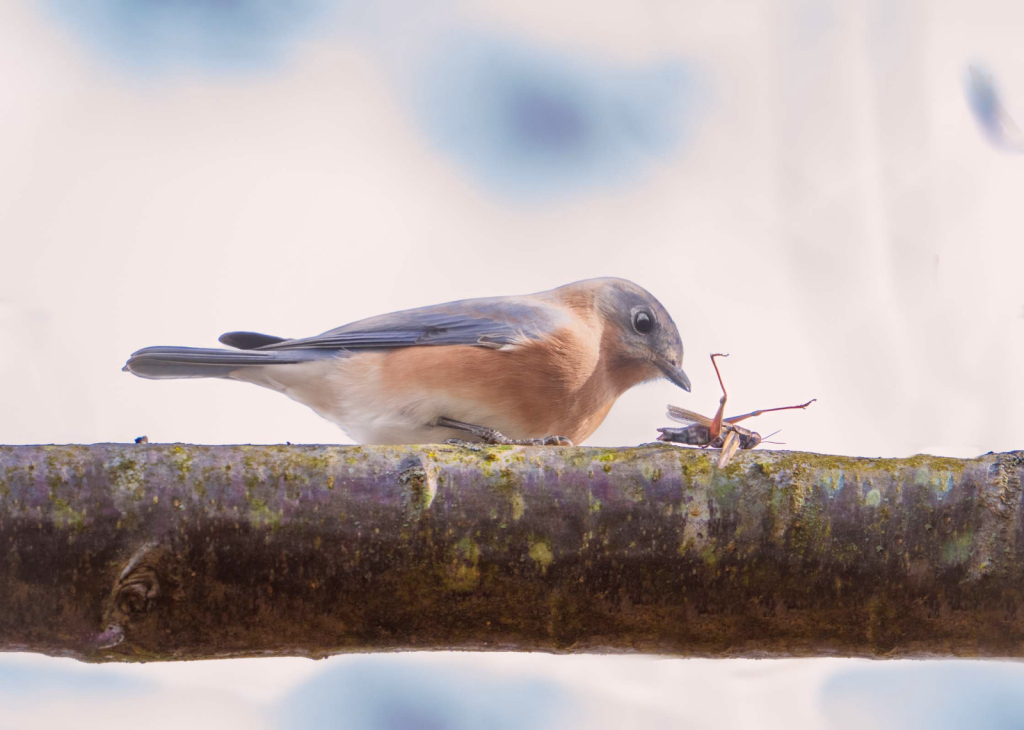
[{"x": 552, "y": 441}]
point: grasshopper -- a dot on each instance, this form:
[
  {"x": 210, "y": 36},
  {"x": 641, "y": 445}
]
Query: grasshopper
[{"x": 718, "y": 432}]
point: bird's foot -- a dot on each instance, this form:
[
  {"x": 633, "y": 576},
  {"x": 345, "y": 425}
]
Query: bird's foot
[
  {"x": 471, "y": 445},
  {"x": 496, "y": 438},
  {"x": 547, "y": 441}
]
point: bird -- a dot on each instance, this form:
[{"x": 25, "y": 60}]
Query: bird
[{"x": 535, "y": 369}]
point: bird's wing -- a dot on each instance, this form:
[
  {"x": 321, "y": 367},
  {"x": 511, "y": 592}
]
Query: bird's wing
[
  {"x": 681, "y": 415},
  {"x": 493, "y": 323},
  {"x": 249, "y": 340}
]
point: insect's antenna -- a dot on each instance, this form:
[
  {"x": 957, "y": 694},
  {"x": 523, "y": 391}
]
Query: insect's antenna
[
  {"x": 766, "y": 441},
  {"x": 719, "y": 354}
]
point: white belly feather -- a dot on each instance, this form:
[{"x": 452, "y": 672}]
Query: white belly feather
[{"x": 348, "y": 392}]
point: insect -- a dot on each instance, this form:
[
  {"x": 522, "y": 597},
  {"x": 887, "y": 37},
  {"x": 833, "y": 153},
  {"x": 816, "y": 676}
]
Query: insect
[{"x": 718, "y": 432}]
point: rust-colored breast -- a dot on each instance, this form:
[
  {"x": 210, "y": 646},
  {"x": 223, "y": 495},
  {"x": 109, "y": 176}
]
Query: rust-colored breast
[{"x": 558, "y": 386}]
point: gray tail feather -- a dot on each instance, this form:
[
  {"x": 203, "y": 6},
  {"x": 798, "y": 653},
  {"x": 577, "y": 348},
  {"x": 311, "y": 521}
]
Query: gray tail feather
[{"x": 193, "y": 362}]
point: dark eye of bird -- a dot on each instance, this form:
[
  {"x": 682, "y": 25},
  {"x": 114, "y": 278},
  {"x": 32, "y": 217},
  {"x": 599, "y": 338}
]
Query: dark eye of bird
[{"x": 642, "y": 322}]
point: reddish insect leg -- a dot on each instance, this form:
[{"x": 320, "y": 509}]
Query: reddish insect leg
[
  {"x": 737, "y": 419},
  {"x": 716, "y": 423}
]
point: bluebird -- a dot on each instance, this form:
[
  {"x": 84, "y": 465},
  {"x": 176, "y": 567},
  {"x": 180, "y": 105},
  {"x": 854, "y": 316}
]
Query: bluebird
[{"x": 539, "y": 369}]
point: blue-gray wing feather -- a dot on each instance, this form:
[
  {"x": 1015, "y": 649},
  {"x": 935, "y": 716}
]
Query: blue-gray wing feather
[
  {"x": 492, "y": 323},
  {"x": 483, "y": 322}
]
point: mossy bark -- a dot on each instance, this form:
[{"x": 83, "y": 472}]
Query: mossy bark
[{"x": 158, "y": 552}]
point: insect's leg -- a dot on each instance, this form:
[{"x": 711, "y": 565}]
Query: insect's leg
[
  {"x": 737, "y": 419},
  {"x": 729, "y": 448},
  {"x": 716, "y": 422}
]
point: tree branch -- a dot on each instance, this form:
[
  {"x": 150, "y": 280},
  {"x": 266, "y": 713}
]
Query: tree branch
[{"x": 150, "y": 552}]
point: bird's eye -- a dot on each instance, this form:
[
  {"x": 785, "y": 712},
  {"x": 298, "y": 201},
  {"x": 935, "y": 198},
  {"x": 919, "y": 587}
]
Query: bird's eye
[{"x": 643, "y": 322}]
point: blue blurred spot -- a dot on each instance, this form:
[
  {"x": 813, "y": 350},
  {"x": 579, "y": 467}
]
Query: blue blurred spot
[
  {"x": 535, "y": 123},
  {"x": 937, "y": 695},
  {"x": 389, "y": 693},
  {"x": 985, "y": 103},
  {"x": 545, "y": 120},
  {"x": 165, "y": 35}
]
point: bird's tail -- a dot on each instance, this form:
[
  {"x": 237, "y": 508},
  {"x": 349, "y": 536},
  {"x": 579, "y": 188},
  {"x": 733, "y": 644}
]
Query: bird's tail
[{"x": 190, "y": 362}]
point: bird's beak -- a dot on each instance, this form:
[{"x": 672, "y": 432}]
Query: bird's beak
[{"x": 674, "y": 373}]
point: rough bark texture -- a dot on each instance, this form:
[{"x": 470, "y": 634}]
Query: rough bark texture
[{"x": 156, "y": 552}]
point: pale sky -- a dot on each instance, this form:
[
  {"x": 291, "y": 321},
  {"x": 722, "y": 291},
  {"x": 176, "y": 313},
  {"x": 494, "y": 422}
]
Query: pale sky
[{"x": 802, "y": 185}]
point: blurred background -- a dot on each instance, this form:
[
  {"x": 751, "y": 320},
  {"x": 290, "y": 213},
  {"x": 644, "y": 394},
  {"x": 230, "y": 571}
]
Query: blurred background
[{"x": 829, "y": 190}]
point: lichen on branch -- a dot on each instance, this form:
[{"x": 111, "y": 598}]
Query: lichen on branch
[{"x": 157, "y": 552}]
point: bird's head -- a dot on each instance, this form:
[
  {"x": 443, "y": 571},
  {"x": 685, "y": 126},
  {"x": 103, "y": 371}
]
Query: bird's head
[{"x": 638, "y": 332}]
